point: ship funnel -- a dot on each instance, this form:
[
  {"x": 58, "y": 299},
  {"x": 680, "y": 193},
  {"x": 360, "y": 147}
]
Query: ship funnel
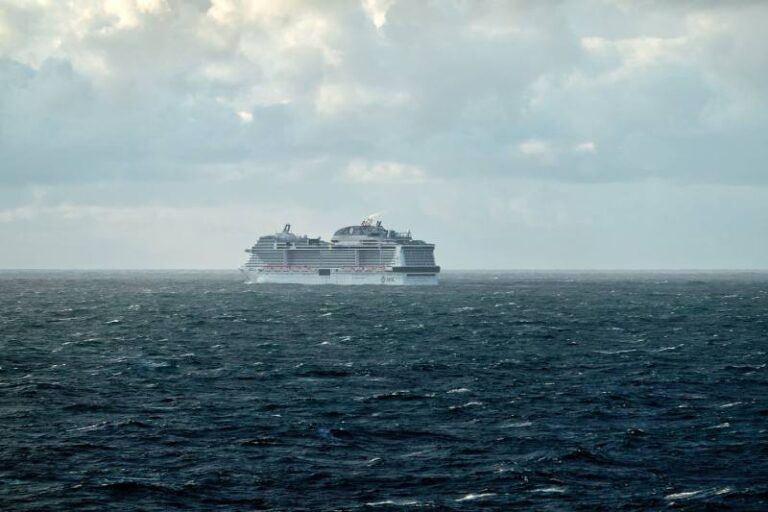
[
  {"x": 368, "y": 221},
  {"x": 287, "y": 228}
]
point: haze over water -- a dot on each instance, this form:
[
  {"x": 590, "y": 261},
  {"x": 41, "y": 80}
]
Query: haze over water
[{"x": 561, "y": 391}]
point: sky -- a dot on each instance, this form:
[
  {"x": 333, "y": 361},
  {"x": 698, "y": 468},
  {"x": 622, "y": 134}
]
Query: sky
[{"x": 590, "y": 134}]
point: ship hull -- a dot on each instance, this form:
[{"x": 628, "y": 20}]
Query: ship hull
[{"x": 340, "y": 277}]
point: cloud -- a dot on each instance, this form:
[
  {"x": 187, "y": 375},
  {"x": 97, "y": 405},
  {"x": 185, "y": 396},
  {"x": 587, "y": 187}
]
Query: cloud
[
  {"x": 124, "y": 89},
  {"x": 245, "y": 117},
  {"x": 383, "y": 172},
  {"x": 585, "y": 148},
  {"x": 549, "y": 152},
  {"x": 335, "y": 98},
  {"x": 636, "y": 52},
  {"x": 537, "y": 149},
  {"x": 376, "y": 10}
]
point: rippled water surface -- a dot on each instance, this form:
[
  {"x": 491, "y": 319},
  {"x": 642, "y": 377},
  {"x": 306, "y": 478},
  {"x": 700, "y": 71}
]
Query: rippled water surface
[{"x": 193, "y": 391}]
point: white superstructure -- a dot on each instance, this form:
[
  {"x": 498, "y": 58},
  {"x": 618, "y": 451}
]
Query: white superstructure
[{"x": 363, "y": 254}]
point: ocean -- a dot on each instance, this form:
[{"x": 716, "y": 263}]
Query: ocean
[{"x": 495, "y": 390}]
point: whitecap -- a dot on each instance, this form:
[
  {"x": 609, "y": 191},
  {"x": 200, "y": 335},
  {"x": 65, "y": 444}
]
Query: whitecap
[
  {"x": 518, "y": 424},
  {"x": 96, "y": 426},
  {"x": 397, "y": 503},
  {"x": 472, "y": 497},
  {"x": 327, "y": 314},
  {"x": 458, "y": 390},
  {"x": 550, "y": 490},
  {"x": 667, "y": 349},
  {"x": 417, "y": 453},
  {"x": 718, "y": 427},
  {"x": 730, "y": 404},
  {"x": 156, "y": 364},
  {"x": 464, "y": 406},
  {"x": 695, "y": 494}
]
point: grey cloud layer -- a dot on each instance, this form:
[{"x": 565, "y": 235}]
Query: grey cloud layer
[{"x": 160, "y": 90}]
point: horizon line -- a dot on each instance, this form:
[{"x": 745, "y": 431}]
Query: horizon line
[{"x": 450, "y": 270}]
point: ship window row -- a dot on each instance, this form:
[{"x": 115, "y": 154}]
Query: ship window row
[
  {"x": 325, "y": 261},
  {"x": 416, "y": 261},
  {"x": 322, "y": 253},
  {"x": 419, "y": 256}
]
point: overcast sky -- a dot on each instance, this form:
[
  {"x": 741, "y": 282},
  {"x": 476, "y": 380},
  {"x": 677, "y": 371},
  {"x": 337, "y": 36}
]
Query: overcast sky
[{"x": 553, "y": 134}]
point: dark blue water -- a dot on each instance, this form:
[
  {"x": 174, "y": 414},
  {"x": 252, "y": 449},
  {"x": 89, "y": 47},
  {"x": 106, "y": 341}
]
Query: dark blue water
[{"x": 193, "y": 391}]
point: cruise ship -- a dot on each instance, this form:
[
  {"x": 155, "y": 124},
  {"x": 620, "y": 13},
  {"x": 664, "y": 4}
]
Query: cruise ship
[{"x": 367, "y": 253}]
